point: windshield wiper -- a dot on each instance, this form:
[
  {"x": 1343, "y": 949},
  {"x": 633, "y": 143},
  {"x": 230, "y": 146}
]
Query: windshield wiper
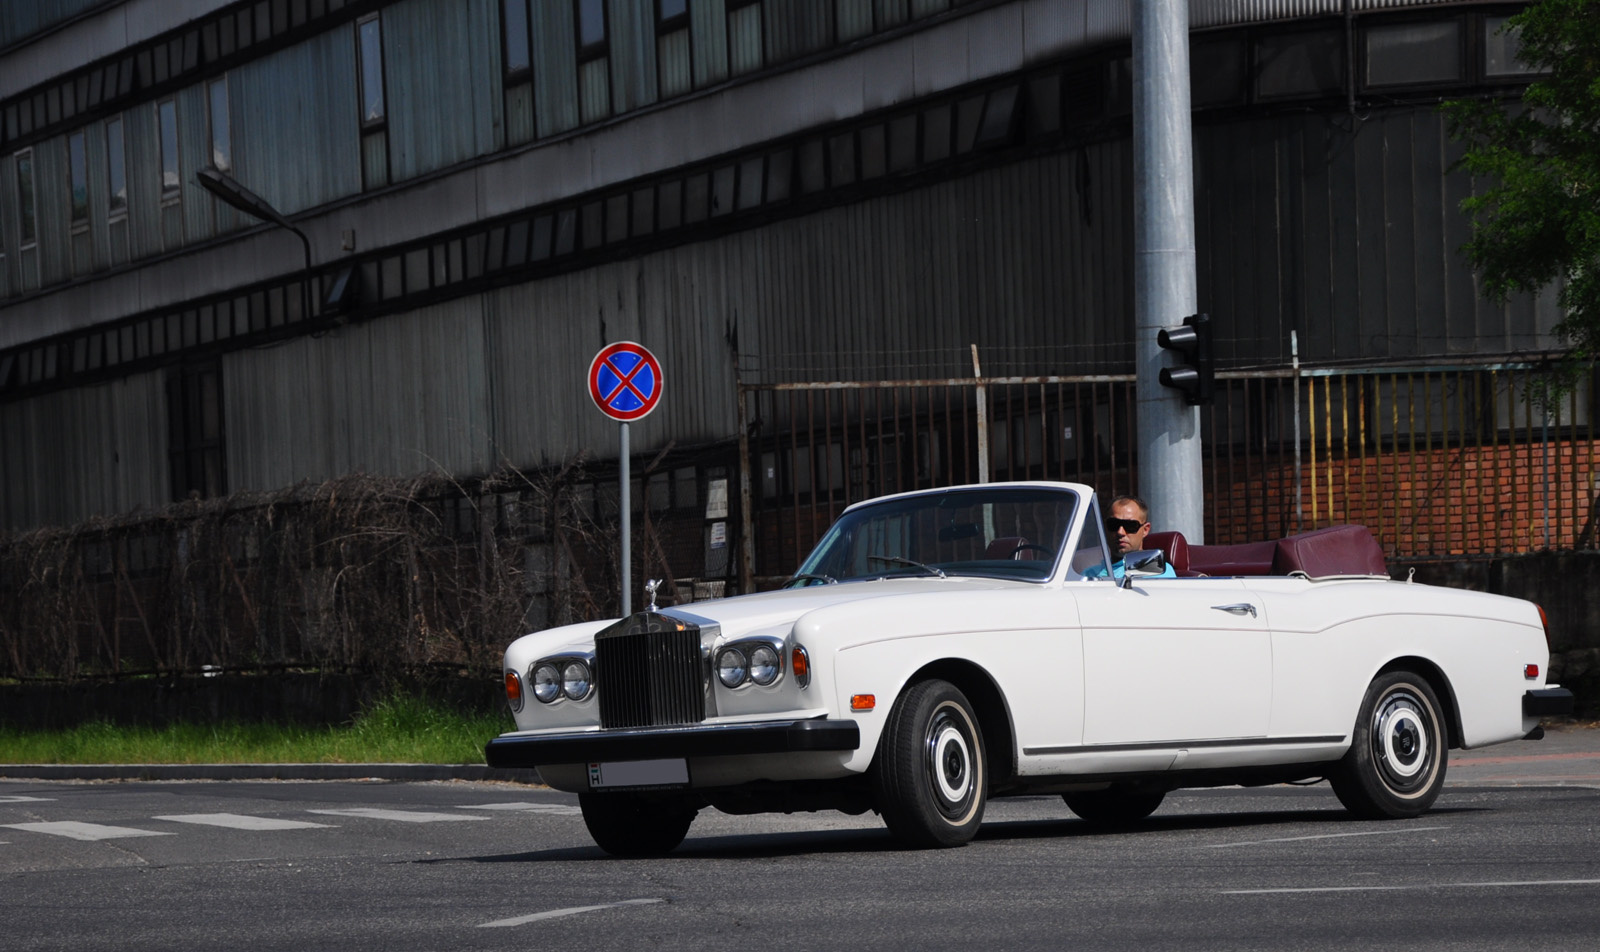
[
  {"x": 899, "y": 560},
  {"x": 809, "y": 577}
]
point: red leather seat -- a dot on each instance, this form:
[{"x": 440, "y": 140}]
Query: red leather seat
[
  {"x": 1005, "y": 547},
  {"x": 1174, "y": 546}
]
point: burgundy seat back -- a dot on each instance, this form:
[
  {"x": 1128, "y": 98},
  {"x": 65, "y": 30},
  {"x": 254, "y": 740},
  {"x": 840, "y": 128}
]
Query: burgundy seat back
[
  {"x": 1250, "y": 558},
  {"x": 1174, "y": 546},
  {"x": 1004, "y": 547},
  {"x": 1336, "y": 550}
]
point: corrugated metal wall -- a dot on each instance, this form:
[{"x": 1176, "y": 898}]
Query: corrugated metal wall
[
  {"x": 23, "y": 18},
  {"x": 315, "y": 124},
  {"x": 96, "y": 450},
  {"x": 404, "y": 395},
  {"x": 442, "y": 80}
]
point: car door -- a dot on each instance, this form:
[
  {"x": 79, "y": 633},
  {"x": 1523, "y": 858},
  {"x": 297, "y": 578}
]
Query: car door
[{"x": 1170, "y": 661}]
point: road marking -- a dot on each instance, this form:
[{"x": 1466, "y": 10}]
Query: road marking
[
  {"x": 556, "y": 809},
  {"x": 404, "y": 816},
  {"x": 558, "y": 913},
  {"x": 17, "y": 798},
  {"x": 88, "y": 832},
  {"x": 236, "y": 821},
  {"x": 1488, "y": 885},
  {"x": 1323, "y": 836}
]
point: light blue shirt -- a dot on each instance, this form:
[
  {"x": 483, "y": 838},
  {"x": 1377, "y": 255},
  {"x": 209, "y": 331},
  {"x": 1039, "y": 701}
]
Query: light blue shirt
[{"x": 1119, "y": 567}]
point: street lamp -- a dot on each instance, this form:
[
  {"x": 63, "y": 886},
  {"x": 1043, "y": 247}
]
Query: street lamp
[{"x": 229, "y": 190}]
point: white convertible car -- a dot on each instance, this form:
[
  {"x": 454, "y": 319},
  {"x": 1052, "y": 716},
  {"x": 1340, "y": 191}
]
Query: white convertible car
[{"x": 943, "y": 647}]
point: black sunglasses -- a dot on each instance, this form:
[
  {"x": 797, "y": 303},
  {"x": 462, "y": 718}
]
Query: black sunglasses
[{"x": 1130, "y": 526}]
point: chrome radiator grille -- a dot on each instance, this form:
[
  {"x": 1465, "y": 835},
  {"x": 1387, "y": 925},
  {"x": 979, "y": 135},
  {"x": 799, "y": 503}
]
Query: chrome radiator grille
[{"x": 648, "y": 673}]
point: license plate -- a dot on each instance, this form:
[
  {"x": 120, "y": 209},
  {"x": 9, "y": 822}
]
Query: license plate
[{"x": 673, "y": 772}]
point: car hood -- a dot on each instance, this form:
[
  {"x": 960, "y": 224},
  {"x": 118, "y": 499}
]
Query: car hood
[{"x": 744, "y": 614}]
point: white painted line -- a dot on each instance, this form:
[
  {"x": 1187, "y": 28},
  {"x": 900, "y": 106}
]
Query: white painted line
[
  {"x": 558, "y": 913},
  {"x": 555, "y": 809},
  {"x": 18, "y": 798},
  {"x": 404, "y": 816},
  {"x": 88, "y": 832},
  {"x": 1324, "y": 836},
  {"x": 1418, "y": 886},
  {"x": 237, "y": 821}
]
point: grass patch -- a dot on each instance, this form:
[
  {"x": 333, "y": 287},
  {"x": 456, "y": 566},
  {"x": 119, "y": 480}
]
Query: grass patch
[{"x": 397, "y": 729}]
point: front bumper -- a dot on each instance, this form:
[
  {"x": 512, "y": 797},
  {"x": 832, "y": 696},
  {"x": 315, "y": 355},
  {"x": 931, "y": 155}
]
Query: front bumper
[
  {"x": 650, "y": 743},
  {"x": 1546, "y": 702}
]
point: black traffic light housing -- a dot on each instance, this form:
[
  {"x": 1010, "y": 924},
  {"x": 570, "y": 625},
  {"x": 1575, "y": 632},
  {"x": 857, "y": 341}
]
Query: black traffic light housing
[{"x": 1195, "y": 377}]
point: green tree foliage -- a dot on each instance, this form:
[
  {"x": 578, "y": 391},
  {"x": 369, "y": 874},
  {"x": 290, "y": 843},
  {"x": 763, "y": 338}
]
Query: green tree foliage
[{"x": 1536, "y": 219}]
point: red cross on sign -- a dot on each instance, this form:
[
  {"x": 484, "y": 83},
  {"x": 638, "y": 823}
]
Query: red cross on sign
[{"x": 625, "y": 381}]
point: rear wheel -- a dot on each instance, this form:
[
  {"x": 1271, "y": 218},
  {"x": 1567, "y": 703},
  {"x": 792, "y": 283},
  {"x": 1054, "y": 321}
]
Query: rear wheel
[
  {"x": 1116, "y": 805},
  {"x": 630, "y": 825},
  {"x": 929, "y": 779},
  {"x": 1398, "y": 750}
]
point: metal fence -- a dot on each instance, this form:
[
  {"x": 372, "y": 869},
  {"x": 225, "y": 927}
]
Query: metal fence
[{"x": 1437, "y": 461}]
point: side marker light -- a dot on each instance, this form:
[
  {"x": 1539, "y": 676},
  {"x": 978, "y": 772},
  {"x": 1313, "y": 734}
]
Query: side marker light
[
  {"x": 863, "y": 702},
  {"x": 1530, "y": 671}
]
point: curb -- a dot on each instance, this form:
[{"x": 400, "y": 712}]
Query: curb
[{"x": 263, "y": 772}]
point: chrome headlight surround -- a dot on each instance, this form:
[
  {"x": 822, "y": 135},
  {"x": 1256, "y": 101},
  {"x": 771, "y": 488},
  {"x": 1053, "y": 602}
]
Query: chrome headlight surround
[
  {"x": 563, "y": 678},
  {"x": 756, "y": 661}
]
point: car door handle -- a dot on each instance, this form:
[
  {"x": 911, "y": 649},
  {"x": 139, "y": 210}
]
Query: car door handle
[{"x": 1242, "y": 608}]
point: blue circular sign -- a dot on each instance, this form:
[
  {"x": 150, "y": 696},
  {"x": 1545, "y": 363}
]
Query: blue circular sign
[{"x": 625, "y": 381}]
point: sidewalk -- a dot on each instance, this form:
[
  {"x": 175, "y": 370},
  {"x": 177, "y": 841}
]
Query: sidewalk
[{"x": 1569, "y": 755}]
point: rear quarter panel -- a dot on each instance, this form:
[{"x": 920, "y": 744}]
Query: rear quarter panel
[{"x": 1331, "y": 638}]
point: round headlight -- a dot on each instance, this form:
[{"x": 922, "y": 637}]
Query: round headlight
[
  {"x": 546, "y": 683},
  {"x": 732, "y": 667},
  {"x": 575, "y": 680},
  {"x": 763, "y": 664}
]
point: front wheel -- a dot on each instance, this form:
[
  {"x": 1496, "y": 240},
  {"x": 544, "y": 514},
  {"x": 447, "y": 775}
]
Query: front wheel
[
  {"x": 630, "y": 825},
  {"x": 929, "y": 780},
  {"x": 1398, "y": 751}
]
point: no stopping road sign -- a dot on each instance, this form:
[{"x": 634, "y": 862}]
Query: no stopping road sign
[{"x": 625, "y": 381}]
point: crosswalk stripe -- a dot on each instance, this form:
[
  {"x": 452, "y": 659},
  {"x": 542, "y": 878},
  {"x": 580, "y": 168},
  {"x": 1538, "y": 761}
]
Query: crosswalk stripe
[
  {"x": 403, "y": 816},
  {"x": 555, "y": 809},
  {"x": 237, "y": 821},
  {"x": 73, "y": 830}
]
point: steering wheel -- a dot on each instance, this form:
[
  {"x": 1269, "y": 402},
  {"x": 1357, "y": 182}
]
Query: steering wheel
[{"x": 1029, "y": 545}]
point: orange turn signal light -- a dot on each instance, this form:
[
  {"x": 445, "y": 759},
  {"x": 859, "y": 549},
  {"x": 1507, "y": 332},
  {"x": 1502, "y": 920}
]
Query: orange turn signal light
[
  {"x": 863, "y": 702},
  {"x": 514, "y": 690}
]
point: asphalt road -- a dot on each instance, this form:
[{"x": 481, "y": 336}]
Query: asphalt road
[{"x": 1509, "y": 858}]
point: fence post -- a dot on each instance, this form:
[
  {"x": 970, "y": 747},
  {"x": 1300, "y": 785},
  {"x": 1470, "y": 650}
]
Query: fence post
[
  {"x": 1294, "y": 362},
  {"x": 983, "y": 419}
]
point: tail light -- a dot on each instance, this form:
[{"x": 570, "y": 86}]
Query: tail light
[{"x": 1544, "y": 621}]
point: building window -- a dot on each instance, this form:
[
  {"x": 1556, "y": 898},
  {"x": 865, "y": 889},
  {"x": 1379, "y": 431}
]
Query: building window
[
  {"x": 29, "y": 224},
  {"x": 1294, "y": 65},
  {"x": 591, "y": 29},
  {"x": 1414, "y": 53},
  {"x": 116, "y": 169},
  {"x": 671, "y": 14},
  {"x": 514, "y": 27},
  {"x": 221, "y": 134},
  {"x": 674, "y": 52},
  {"x": 194, "y": 431},
  {"x": 371, "y": 52},
  {"x": 744, "y": 35},
  {"x": 1502, "y": 49},
  {"x": 78, "y": 163},
  {"x": 171, "y": 180}
]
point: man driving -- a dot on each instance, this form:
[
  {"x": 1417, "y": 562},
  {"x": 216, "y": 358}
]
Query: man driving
[{"x": 1126, "y": 527}]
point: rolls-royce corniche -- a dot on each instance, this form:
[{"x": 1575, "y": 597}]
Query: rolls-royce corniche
[{"x": 943, "y": 647}]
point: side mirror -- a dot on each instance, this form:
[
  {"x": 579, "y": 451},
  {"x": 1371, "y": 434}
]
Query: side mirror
[{"x": 1142, "y": 564}]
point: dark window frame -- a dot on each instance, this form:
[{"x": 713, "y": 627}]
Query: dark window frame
[
  {"x": 27, "y": 200},
  {"x": 78, "y": 179},
  {"x": 169, "y": 193},
  {"x": 116, "y": 168},
  {"x": 516, "y": 75},
  {"x": 381, "y": 121},
  {"x": 1464, "y": 54}
]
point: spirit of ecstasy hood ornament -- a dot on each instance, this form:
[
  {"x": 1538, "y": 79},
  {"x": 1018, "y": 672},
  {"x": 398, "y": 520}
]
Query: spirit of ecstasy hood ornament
[{"x": 650, "y": 587}]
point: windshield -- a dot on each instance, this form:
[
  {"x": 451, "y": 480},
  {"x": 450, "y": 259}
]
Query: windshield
[{"x": 997, "y": 533}]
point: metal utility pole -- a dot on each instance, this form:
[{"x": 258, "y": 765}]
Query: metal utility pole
[{"x": 1163, "y": 261}]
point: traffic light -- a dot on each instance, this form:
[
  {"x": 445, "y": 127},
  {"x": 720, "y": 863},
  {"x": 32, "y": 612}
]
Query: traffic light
[{"x": 1195, "y": 375}]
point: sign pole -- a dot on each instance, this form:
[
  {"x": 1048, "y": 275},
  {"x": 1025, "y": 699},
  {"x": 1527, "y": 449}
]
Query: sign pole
[
  {"x": 627, "y": 530},
  {"x": 625, "y": 383}
]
